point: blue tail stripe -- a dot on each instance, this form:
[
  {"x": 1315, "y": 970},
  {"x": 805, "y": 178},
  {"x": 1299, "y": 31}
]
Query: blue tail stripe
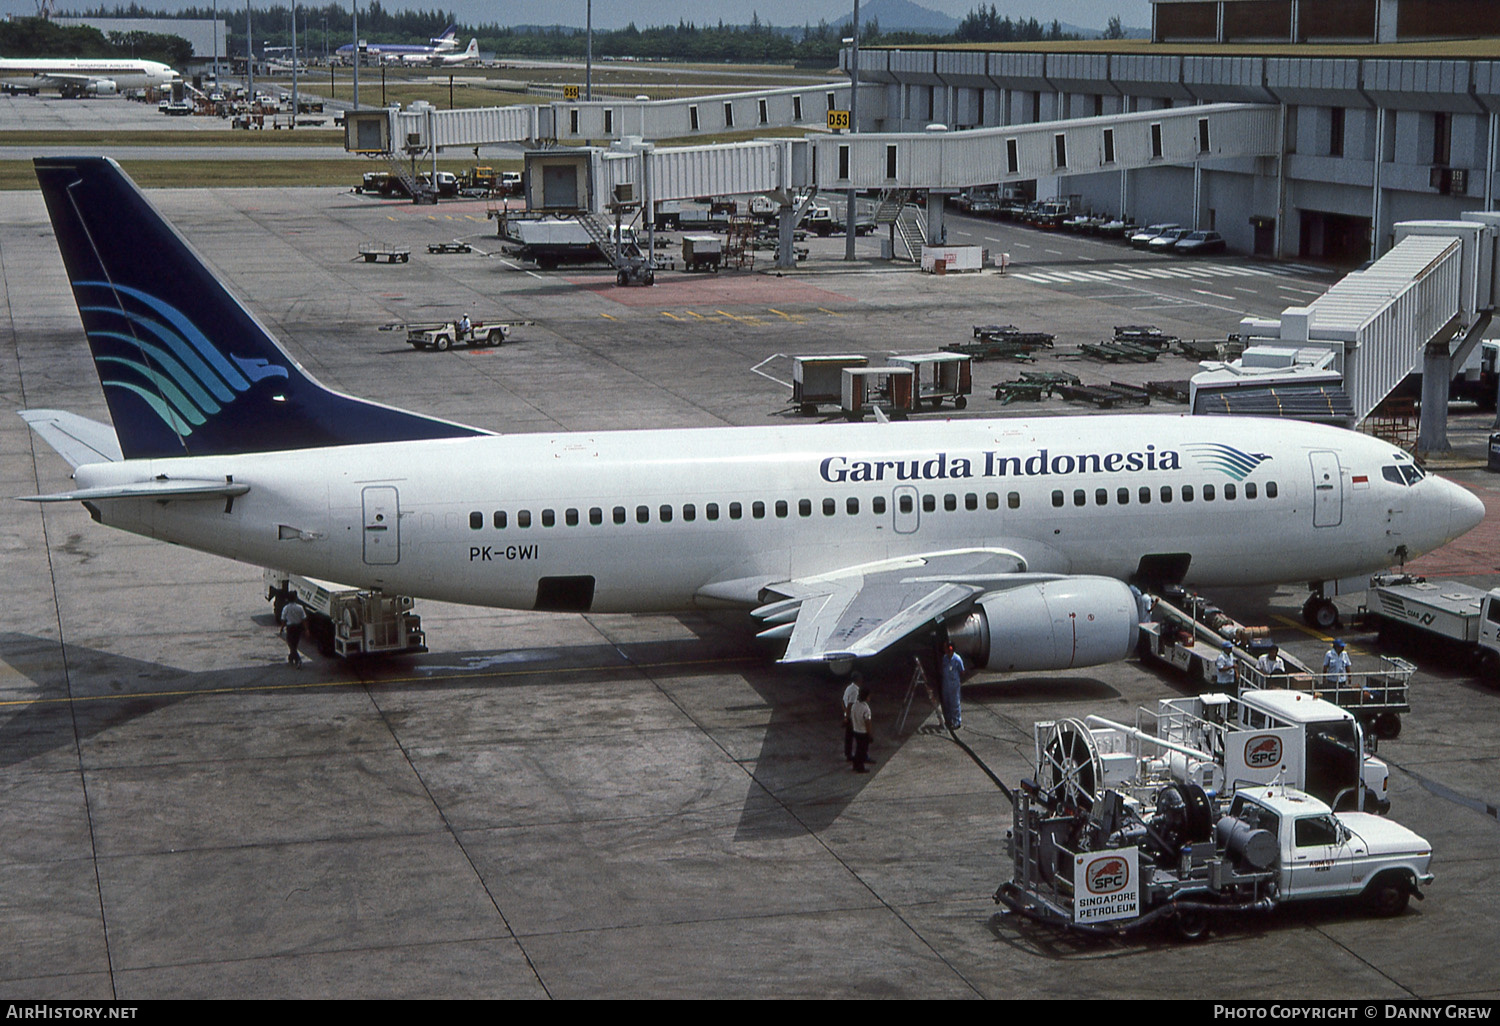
[
  {"x": 186, "y": 327},
  {"x": 165, "y": 412},
  {"x": 185, "y": 352},
  {"x": 179, "y": 373},
  {"x": 164, "y": 388}
]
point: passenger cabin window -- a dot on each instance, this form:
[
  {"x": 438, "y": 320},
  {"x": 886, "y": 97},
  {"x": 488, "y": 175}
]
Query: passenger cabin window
[
  {"x": 830, "y": 508},
  {"x": 950, "y": 502},
  {"x": 929, "y": 503},
  {"x": 1145, "y": 495},
  {"x": 1270, "y": 489},
  {"x": 781, "y": 508},
  {"x": 711, "y": 511},
  {"x": 877, "y": 505},
  {"x": 1250, "y": 490},
  {"x": 1122, "y": 496},
  {"x": 619, "y": 514},
  {"x": 1208, "y": 493},
  {"x": 1187, "y": 493},
  {"x": 570, "y": 517},
  {"x": 476, "y": 521},
  {"x": 643, "y": 514},
  {"x": 804, "y": 507},
  {"x": 523, "y": 518},
  {"x": 499, "y": 519},
  {"x": 851, "y": 506},
  {"x": 1229, "y": 493},
  {"x": 689, "y": 512},
  {"x": 1080, "y": 497},
  {"x": 666, "y": 514},
  {"x": 758, "y": 510},
  {"x": 1166, "y": 493},
  {"x": 1013, "y": 500},
  {"x": 735, "y": 511},
  {"x": 596, "y": 516},
  {"x": 549, "y": 518},
  {"x": 1057, "y": 498}
]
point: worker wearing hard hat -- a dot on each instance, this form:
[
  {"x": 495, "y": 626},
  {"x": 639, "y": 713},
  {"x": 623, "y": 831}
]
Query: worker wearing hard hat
[{"x": 1224, "y": 666}]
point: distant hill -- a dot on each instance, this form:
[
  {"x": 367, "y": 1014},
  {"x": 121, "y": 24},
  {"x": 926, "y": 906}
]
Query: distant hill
[{"x": 901, "y": 16}]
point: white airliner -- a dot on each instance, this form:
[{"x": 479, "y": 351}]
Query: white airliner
[
  {"x": 1013, "y": 537},
  {"x": 93, "y": 76},
  {"x": 469, "y": 53}
]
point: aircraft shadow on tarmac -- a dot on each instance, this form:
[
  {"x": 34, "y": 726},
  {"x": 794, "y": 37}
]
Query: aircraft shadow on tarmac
[{"x": 799, "y": 781}]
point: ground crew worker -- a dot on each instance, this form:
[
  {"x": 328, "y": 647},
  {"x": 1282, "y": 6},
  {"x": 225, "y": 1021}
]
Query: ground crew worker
[
  {"x": 293, "y": 618},
  {"x": 859, "y": 719},
  {"x": 851, "y": 695},
  {"x": 1270, "y": 664},
  {"x": 1336, "y": 665},
  {"x": 1224, "y": 666},
  {"x": 952, "y": 667},
  {"x": 464, "y": 328}
]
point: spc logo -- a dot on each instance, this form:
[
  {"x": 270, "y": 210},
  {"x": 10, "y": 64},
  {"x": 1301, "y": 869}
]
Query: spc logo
[
  {"x": 1263, "y": 751},
  {"x": 1108, "y": 875}
]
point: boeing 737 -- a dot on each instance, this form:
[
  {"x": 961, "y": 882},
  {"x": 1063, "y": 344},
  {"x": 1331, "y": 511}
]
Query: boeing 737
[
  {"x": 94, "y": 76},
  {"x": 1014, "y": 537}
]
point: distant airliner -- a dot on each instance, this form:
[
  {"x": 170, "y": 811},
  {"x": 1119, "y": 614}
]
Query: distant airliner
[
  {"x": 101, "y": 76},
  {"x": 442, "y": 43},
  {"x": 470, "y": 53},
  {"x": 1012, "y": 536}
]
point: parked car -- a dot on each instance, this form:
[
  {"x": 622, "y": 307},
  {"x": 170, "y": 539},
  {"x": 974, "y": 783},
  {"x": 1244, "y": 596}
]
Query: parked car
[
  {"x": 1199, "y": 244},
  {"x": 1142, "y": 238},
  {"x": 1164, "y": 242},
  {"x": 1116, "y": 228}
]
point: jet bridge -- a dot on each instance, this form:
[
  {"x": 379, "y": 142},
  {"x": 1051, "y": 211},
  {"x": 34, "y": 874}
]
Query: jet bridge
[
  {"x": 1425, "y": 303},
  {"x": 938, "y": 161}
]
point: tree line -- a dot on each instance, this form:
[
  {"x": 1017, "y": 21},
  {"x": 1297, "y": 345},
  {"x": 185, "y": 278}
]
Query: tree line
[{"x": 811, "y": 45}]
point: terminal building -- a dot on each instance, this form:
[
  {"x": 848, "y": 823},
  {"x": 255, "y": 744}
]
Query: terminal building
[{"x": 1383, "y": 115}]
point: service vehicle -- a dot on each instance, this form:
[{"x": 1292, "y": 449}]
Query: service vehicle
[
  {"x": 702, "y": 252},
  {"x": 554, "y": 242},
  {"x": 447, "y": 334},
  {"x": 510, "y": 183},
  {"x": 346, "y": 621},
  {"x": 1115, "y": 865},
  {"x": 1184, "y": 630},
  {"x": 1414, "y": 612},
  {"x": 1165, "y": 242}
]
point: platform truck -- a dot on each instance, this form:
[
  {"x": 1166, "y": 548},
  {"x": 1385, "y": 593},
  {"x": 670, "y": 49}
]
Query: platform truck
[
  {"x": 1187, "y": 631},
  {"x": 1410, "y": 611},
  {"x": 817, "y": 380},
  {"x": 346, "y": 621}
]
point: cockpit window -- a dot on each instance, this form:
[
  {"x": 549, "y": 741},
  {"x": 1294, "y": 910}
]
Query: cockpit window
[{"x": 1402, "y": 474}]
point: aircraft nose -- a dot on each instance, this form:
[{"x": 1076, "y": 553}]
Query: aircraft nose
[{"x": 1465, "y": 510}]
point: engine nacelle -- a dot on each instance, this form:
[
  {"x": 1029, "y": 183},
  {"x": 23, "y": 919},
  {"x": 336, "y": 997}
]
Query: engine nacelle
[
  {"x": 103, "y": 87},
  {"x": 1050, "y": 625}
]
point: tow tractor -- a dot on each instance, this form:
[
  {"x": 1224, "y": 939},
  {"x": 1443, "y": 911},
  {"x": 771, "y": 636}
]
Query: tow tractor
[
  {"x": 347, "y": 621},
  {"x": 1188, "y": 632},
  {"x": 444, "y": 335}
]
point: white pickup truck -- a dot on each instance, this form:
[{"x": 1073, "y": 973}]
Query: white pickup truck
[{"x": 1118, "y": 866}]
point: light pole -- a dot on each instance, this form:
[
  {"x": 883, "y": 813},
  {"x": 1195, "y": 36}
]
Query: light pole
[
  {"x": 588, "y": 61},
  {"x": 355, "y": 7},
  {"x": 849, "y": 232}
]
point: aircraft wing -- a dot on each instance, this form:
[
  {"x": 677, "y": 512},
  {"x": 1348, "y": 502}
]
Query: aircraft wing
[
  {"x": 78, "y": 439},
  {"x": 863, "y": 610}
]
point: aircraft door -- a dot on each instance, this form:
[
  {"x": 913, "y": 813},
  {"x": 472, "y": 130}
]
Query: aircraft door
[
  {"x": 382, "y": 529},
  {"x": 904, "y": 509},
  {"x": 1328, "y": 489}
]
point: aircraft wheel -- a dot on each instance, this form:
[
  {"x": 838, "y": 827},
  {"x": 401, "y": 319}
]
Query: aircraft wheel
[{"x": 1320, "y": 613}]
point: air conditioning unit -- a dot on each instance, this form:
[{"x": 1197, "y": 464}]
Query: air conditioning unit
[{"x": 625, "y": 193}]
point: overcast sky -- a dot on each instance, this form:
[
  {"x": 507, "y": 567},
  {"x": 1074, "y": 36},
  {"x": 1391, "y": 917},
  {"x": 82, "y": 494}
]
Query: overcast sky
[{"x": 617, "y": 13}]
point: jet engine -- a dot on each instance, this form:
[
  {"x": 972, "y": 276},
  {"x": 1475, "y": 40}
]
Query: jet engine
[
  {"x": 103, "y": 87},
  {"x": 1049, "y": 625}
]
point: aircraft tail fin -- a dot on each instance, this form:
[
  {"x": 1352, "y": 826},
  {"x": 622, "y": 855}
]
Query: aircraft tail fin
[{"x": 186, "y": 369}]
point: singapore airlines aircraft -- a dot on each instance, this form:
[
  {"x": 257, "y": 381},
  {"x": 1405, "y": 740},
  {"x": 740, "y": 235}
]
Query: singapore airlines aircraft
[
  {"x": 1015, "y": 537},
  {"x": 101, "y": 76}
]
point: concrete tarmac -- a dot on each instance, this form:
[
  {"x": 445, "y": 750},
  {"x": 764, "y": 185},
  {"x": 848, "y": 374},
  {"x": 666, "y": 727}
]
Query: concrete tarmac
[{"x": 567, "y": 806}]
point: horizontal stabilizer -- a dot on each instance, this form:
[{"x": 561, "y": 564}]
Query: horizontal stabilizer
[
  {"x": 157, "y": 488},
  {"x": 77, "y": 439}
]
